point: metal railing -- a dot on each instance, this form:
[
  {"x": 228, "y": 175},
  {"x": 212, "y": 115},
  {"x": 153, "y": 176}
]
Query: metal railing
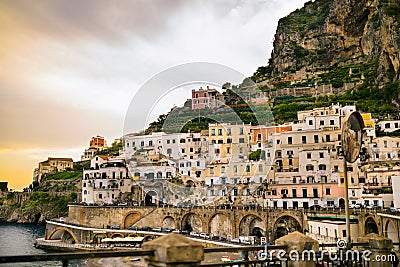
[
  {"x": 249, "y": 256},
  {"x": 66, "y": 257}
]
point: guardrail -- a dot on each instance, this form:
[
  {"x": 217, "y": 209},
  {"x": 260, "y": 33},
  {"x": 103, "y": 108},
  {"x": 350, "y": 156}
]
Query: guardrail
[{"x": 249, "y": 256}]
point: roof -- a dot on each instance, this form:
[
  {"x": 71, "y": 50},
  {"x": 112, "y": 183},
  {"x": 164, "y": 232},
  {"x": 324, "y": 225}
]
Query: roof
[
  {"x": 103, "y": 157},
  {"x": 61, "y": 159}
]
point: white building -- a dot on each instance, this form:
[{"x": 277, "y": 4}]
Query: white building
[
  {"x": 396, "y": 191},
  {"x": 389, "y": 126},
  {"x": 330, "y": 231},
  {"x": 105, "y": 181}
]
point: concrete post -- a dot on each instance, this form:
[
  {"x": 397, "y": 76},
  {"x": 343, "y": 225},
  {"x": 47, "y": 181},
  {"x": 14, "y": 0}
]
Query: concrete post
[
  {"x": 380, "y": 250},
  {"x": 301, "y": 250},
  {"x": 174, "y": 250}
]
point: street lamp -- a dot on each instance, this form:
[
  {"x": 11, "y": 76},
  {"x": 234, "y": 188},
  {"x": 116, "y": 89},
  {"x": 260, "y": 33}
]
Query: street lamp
[{"x": 352, "y": 132}]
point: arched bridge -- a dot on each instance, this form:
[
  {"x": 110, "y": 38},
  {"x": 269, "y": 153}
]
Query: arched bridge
[{"x": 223, "y": 222}]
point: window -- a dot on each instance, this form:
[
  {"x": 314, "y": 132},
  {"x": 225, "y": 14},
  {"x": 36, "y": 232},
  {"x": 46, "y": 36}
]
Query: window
[
  {"x": 321, "y": 122},
  {"x": 150, "y": 143},
  {"x": 182, "y": 141},
  {"x": 133, "y": 143},
  {"x": 259, "y": 137},
  {"x": 260, "y": 168},
  {"x": 241, "y": 140},
  {"x": 220, "y": 141},
  {"x": 328, "y": 138},
  {"x": 219, "y": 131},
  {"x": 183, "y": 151},
  {"x": 324, "y": 179},
  {"x": 228, "y": 150},
  {"x": 168, "y": 141},
  {"x": 169, "y": 151},
  {"x": 273, "y": 192},
  {"x": 240, "y": 150},
  {"x": 212, "y": 181},
  {"x": 315, "y": 192},
  {"x": 229, "y": 131},
  {"x": 211, "y": 170},
  {"x": 304, "y": 139},
  {"x": 309, "y": 155},
  {"x": 290, "y": 140},
  {"x": 223, "y": 180},
  {"x": 212, "y": 131},
  {"x": 332, "y": 122},
  {"x": 322, "y": 167},
  {"x": 223, "y": 169},
  {"x": 294, "y": 192},
  {"x": 310, "y": 122},
  {"x": 159, "y": 174},
  {"x": 142, "y": 143},
  {"x": 217, "y": 151},
  {"x": 304, "y": 192},
  {"x": 385, "y": 144},
  {"x": 315, "y": 138},
  {"x": 241, "y": 131},
  {"x": 309, "y": 167},
  {"x": 387, "y": 125},
  {"x": 100, "y": 196},
  {"x": 328, "y": 191},
  {"x": 229, "y": 140},
  {"x": 248, "y": 168},
  {"x": 321, "y": 155}
]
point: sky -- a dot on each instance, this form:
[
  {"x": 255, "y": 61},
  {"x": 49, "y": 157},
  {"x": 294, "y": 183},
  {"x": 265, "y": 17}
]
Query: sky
[{"x": 69, "y": 69}]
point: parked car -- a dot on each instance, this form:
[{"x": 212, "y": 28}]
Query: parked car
[
  {"x": 184, "y": 232},
  {"x": 204, "y": 235},
  {"x": 315, "y": 207},
  {"x": 166, "y": 230},
  {"x": 195, "y": 234},
  {"x": 392, "y": 210},
  {"x": 215, "y": 238},
  {"x": 133, "y": 227},
  {"x": 235, "y": 240},
  {"x": 123, "y": 204},
  {"x": 356, "y": 206},
  {"x": 145, "y": 228},
  {"x": 157, "y": 229},
  {"x": 115, "y": 227},
  {"x": 176, "y": 231}
]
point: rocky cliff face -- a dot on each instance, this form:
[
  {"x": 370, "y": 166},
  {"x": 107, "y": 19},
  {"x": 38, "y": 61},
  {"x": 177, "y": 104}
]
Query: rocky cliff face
[{"x": 325, "y": 33}]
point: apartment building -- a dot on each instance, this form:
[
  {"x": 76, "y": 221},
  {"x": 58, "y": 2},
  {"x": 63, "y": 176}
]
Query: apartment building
[
  {"x": 206, "y": 98},
  {"x": 105, "y": 181}
]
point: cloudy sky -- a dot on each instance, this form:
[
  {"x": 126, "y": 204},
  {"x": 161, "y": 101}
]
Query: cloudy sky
[{"x": 69, "y": 71}]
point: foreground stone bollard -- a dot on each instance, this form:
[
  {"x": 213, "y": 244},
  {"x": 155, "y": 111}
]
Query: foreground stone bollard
[
  {"x": 300, "y": 249},
  {"x": 174, "y": 250},
  {"x": 380, "y": 248}
]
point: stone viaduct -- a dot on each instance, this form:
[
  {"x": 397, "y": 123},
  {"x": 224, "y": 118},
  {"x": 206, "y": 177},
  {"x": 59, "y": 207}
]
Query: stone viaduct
[{"x": 225, "y": 222}]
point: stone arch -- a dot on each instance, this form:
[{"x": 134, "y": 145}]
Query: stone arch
[
  {"x": 151, "y": 198},
  {"x": 58, "y": 232},
  {"x": 371, "y": 225},
  {"x": 391, "y": 230},
  {"x": 220, "y": 224},
  {"x": 168, "y": 222},
  {"x": 113, "y": 235},
  {"x": 130, "y": 218},
  {"x": 252, "y": 224},
  {"x": 192, "y": 221},
  {"x": 286, "y": 223},
  {"x": 98, "y": 237}
]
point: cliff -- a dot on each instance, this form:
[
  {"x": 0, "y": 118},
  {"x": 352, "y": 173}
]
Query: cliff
[{"x": 329, "y": 33}]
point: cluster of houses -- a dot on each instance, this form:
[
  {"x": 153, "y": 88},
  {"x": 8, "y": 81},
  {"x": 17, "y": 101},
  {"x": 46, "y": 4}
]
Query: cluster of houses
[{"x": 295, "y": 165}]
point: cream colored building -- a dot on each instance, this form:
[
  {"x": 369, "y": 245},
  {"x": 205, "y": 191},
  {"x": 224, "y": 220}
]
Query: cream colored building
[{"x": 52, "y": 165}]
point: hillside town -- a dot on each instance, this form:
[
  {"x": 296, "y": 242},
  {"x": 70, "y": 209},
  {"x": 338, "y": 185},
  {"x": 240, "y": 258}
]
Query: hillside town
[{"x": 293, "y": 165}]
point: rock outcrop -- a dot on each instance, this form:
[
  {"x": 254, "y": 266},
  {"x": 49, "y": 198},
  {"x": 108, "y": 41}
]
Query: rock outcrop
[{"x": 326, "y": 33}]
